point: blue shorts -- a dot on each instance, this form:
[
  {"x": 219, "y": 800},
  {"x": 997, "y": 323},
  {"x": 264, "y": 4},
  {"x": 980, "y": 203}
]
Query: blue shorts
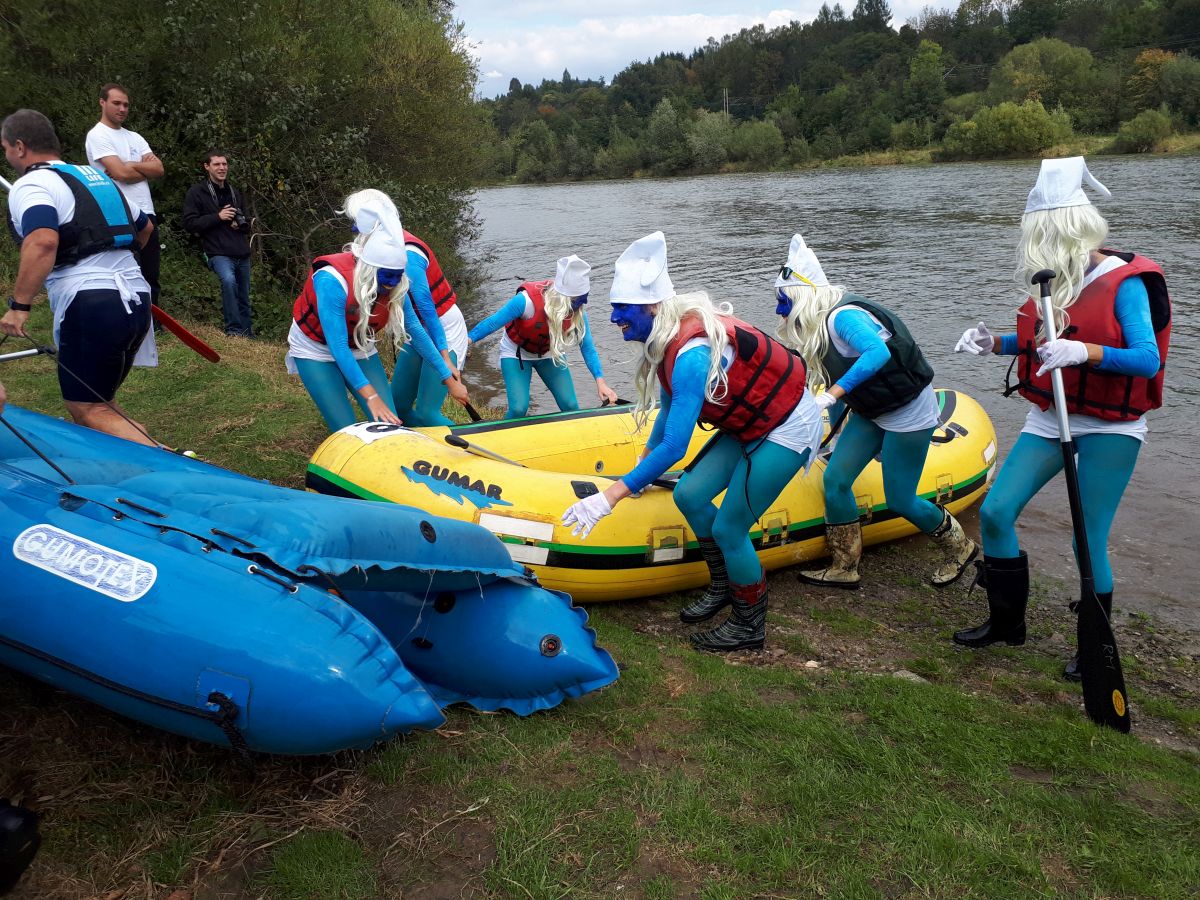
[{"x": 97, "y": 342}]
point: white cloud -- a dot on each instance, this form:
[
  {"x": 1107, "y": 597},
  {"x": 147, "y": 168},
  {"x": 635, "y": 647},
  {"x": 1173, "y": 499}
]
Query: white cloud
[{"x": 536, "y": 39}]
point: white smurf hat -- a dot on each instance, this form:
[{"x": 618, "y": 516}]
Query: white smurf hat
[
  {"x": 571, "y": 279},
  {"x": 802, "y": 266},
  {"x": 384, "y": 247},
  {"x": 641, "y": 272},
  {"x": 1060, "y": 183}
]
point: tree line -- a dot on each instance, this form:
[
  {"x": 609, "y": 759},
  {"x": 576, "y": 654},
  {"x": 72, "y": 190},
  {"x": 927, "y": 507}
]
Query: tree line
[
  {"x": 309, "y": 103},
  {"x": 992, "y": 78}
]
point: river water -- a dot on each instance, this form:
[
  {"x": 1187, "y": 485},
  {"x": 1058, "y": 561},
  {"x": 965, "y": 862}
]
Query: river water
[{"x": 935, "y": 244}]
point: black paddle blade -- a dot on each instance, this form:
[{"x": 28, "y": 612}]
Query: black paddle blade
[{"x": 1104, "y": 696}]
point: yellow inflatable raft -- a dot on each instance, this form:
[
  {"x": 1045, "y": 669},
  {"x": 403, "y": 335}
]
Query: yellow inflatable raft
[{"x": 516, "y": 478}]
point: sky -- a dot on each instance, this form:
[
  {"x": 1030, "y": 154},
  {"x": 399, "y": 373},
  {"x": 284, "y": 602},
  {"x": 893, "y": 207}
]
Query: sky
[{"x": 536, "y": 39}]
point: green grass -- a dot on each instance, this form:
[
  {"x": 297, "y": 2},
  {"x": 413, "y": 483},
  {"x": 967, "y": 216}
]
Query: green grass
[{"x": 692, "y": 776}]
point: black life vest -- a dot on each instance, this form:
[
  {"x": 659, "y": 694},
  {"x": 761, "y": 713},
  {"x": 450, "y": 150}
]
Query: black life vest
[{"x": 902, "y": 377}]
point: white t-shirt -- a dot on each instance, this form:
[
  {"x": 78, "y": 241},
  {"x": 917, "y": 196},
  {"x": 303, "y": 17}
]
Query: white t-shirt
[
  {"x": 128, "y": 146},
  {"x": 109, "y": 269}
]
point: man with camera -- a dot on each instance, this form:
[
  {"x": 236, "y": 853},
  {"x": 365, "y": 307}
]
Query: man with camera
[{"x": 216, "y": 212}]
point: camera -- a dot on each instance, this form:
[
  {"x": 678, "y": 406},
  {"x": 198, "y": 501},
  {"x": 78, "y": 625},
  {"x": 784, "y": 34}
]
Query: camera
[{"x": 239, "y": 220}]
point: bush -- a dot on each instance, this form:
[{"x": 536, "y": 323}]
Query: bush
[
  {"x": 1007, "y": 130},
  {"x": 827, "y": 145},
  {"x": 758, "y": 143},
  {"x": 910, "y": 135},
  {"x": 1143, "y": 132},
  {"x": 799, "y": 151}
]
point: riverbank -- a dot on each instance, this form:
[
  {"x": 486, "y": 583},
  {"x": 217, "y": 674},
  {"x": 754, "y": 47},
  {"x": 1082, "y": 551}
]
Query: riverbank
[
  {"x": 860, "y": 754},
  {"x": 1080, "y": 145}
]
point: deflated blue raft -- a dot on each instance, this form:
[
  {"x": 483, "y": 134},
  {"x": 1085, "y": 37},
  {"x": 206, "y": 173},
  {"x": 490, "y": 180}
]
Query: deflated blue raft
[{"x": 227, "y": 609}]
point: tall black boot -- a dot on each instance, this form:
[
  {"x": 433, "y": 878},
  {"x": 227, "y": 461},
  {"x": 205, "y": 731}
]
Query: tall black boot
[
  {"x": 718, "y": 595},
  {"x": 1072, "y": 672},
  {"x": 746, "y": 627},
  {"x": 1007, "y": 583},
  {"x": 19, "y": 840}
]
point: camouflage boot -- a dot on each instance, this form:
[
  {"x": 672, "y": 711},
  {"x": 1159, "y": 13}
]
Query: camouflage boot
[
  {"x": 844, "y": 543},
  {"x": 960, "y": 550}
]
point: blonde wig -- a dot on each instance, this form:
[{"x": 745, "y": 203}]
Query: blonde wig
[
  {"x": 366, "y": 282},
  {"x": 805, "y": 328},
  {"x": 1063, "y": 240},
  {"x": 670, "y": 313},
  {"x": 558, "y": 314}
]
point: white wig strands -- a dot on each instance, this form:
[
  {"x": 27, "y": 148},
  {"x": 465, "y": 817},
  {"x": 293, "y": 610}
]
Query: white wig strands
[
  {"x": 805, "y": 328},
  {"x": 558, "y": 313},
  {"x": 366, "y": 281},
  {"x": 1063, "y": 240},
  {"x": 666, "y": 325}
]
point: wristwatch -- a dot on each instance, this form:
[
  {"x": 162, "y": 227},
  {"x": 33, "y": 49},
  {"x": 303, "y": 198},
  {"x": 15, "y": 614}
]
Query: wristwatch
[{"x": 19, "y": 307}]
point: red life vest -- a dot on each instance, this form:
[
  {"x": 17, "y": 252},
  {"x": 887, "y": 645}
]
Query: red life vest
[
  {"x": 305, "y": 309},
  {"x": 1091, "y": 392},
  {"x": 533, "y": 335},
  {"x": 439, "y": 287},
  {"x": 766, "y": 379}
]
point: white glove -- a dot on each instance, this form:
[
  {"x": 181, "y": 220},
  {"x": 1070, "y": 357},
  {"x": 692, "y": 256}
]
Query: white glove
[
  {"x": 977, "y": 341},
  {"x": 586, "y": 513},
  {"x": 1058, "y": 353},
  {"x": 824, "y": 400}
]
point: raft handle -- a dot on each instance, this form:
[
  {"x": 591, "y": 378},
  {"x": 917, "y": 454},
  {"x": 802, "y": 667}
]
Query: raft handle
[
  {"x": 140, "y": 508},
  {"x": 232, "y": 537},
  {"x": 282, "y": 582}
]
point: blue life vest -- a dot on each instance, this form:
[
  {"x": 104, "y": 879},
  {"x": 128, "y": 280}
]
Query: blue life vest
[{"x": 102, "y": 219}]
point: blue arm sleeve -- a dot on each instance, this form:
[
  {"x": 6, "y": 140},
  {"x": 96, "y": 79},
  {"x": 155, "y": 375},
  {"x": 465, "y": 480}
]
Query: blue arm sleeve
[
  {"x": 688, "y": 381},
  {"x": 331, "y": 311},
  {"x": 858, "y": 330},
  {"x": 1139, "y": 356},
  {"x": 588, "y": 348},
  {"x": 1006, "y": 345},
  {"x": 39, "y": 217},
  {"x": 423, "y": 300},
  {"x": 509, "y": 312},
  {"x": 422, "y": 342}
]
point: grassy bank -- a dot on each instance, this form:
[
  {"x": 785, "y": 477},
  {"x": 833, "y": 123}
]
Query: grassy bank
[{"x": 860, "y": 755}]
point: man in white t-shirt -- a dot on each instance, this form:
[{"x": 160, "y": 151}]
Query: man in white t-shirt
[
  {"x": 127, "y": 159},
  {"x": 75, "y": 231}
]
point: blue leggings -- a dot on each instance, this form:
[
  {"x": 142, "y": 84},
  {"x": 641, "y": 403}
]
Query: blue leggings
[
  {"x": 902, "y": 454},
  {"x": 417, "y": 391},
  {"x": 762, "y": 478},
  {"x": 519, "y": 373},
  {"x": 327, "y": 387},
  {"x": 1105, "y": 463}
]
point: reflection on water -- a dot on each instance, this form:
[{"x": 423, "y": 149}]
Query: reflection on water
[{"x": 934, "y": 243}]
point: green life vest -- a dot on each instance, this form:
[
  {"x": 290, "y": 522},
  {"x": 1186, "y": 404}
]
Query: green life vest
[{"x": 902, "y": 377}]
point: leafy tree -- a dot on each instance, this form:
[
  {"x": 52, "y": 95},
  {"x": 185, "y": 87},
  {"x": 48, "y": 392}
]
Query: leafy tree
[
  {"x": 1047, "y": 70},
  {"x": 871, "y": 15},
  {"x": 1145, "y": 84},
  {"x": 1180, "y": 79},
  {"x": 666, "y": 147},
  {"x": 760, "y": 144},
  {"x": 924, "y": 89},
  {"x": 1007, "y": 130},
  {"x": 709, "y": 141}
]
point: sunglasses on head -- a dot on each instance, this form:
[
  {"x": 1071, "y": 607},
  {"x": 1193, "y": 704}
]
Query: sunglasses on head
[{"x": 785, "y": 273}]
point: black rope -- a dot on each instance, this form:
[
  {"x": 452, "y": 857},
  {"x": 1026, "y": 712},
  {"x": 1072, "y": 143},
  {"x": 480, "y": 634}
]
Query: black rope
[
  {"x": 24, "y": 440},
  {"x": 227, "y": 713}
]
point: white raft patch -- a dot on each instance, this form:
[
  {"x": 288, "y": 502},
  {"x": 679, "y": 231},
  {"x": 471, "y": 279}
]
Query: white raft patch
[{"x": 86, "y": 563}]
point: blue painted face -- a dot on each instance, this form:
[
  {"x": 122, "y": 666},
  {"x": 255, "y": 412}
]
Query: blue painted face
[
  {"x": 578, "y": 302},
  {"x": 783, "y": 305},
  {"x": 388, "y": 278},
  {"x": 634, "y": 319}
]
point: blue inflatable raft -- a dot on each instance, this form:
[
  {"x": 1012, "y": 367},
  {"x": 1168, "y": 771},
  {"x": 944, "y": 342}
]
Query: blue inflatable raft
[{"x": 227, "y": 609}]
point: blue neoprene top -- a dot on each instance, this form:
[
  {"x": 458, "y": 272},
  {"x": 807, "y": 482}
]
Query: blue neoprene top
[
  {"x": 677, "y": 418},
  {"x": 331, "y": 311},
  {"x": 860, "y": 331},
  {"x": 418, "y": 277},
  {"x": 1139, "y": 356},
  {"x": 514, "y": 309}
]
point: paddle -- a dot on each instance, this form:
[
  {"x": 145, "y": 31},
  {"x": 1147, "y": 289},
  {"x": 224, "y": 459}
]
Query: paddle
[
  {"x": 1104, "y": 696},
  {"x": 167, "y": 321},
  {"x": 33, "y": 351}
]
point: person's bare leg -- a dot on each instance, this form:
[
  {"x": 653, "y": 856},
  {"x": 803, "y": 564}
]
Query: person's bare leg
[{"x": 110, "y": 419}]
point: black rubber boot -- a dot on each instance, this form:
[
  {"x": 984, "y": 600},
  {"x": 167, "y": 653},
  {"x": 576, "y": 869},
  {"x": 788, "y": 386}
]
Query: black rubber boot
[
  {"x": 1072, "y": 672},
  {"x": 19, "y": 841},
  {"x": 718, "y": 595},
  {"x": 1007, "y": 583},
  {"x": 746, "y": 627}
]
